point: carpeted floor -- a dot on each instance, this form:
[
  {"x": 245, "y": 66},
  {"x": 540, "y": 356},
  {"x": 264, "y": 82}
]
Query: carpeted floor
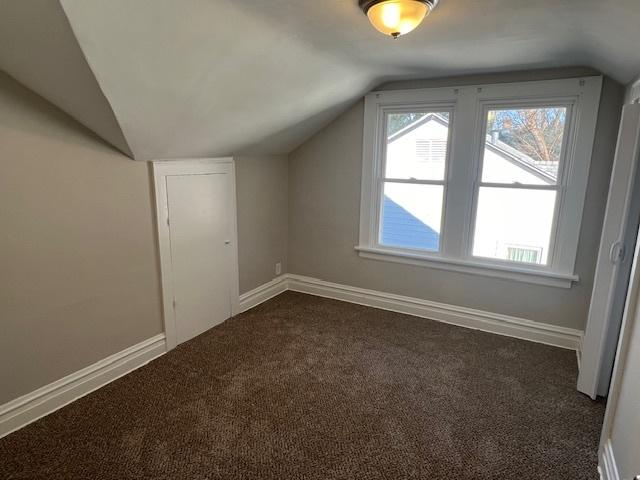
[{"x": 309, "y": 388}]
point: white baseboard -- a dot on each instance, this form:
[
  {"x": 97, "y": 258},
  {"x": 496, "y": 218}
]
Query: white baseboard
[
  {"x": 465, "y": 317},
  {"x": 608, "y": 468},
  {"x": 263, "y": 293},
  {"x": 29, "y": 408}
]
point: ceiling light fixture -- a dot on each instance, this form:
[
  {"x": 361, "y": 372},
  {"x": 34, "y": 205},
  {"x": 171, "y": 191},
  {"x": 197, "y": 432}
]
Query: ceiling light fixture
[{"x": 397, "y": 17}]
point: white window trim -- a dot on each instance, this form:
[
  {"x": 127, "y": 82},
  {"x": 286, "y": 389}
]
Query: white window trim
[{"x": 581, "y": 94}]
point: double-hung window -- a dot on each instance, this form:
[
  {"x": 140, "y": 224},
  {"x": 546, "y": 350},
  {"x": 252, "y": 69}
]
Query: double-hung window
[
  {"x": 414, "y": 179},
  {"x": 484, "y": 179}
]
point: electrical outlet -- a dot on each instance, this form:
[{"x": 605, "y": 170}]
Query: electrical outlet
[{"x": 278, "y": 268}]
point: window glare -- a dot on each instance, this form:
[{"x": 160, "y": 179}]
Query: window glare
[{"x": 514, "y": 224}]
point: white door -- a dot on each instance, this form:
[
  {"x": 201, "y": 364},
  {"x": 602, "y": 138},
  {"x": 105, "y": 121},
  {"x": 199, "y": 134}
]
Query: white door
[
  {"x": 620, "y": 442},
  {"x": 200, "y": 234},
  {"x": 198, "y": 253},
  {"x": 614, "y": 260}
]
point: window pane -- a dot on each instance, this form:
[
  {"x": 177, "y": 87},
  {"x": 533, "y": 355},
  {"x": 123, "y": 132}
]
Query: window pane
[
  {"x": 524, "y": 145},
  {"x": 411, "y": 216},
  {"x": 417, "y": 145},
  {"x": 514, "y": 224}
]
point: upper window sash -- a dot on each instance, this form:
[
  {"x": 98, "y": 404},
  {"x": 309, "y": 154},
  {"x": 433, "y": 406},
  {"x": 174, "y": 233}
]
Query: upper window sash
[
  {"x": 383, "y": 154},
  {"x": 568, "y": 131}
]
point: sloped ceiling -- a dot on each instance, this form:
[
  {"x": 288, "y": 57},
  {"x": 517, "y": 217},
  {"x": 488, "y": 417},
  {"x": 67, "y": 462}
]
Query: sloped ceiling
[
  {"x": 38, "y": 48},
  {"x": 215, "y": 77}
]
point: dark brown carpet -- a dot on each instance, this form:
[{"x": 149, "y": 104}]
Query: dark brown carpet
[{"x": 309, "y": 388}]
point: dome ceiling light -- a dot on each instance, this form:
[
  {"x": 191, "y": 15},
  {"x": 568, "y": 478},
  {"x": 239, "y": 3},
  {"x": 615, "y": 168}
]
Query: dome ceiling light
[{"x": 397, "y": 17}]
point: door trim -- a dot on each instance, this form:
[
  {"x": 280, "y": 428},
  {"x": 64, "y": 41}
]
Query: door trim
[
  {"x": 600, "y": 338},
  {"x": 196, "y": 166},
  {"x": 629, "y": 319}
]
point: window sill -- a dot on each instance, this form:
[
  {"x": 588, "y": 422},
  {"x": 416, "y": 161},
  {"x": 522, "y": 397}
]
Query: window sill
[{"x": 516, "y": 273}]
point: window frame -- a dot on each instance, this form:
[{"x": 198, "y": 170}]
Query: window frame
[
  {"x": 564, "y": 167},
  {"x": 381, "y": 178},
  {"x": 468, "y": 107}
]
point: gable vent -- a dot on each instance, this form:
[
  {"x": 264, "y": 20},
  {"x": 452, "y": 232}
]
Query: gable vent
[{"x": 431, "y": 150}]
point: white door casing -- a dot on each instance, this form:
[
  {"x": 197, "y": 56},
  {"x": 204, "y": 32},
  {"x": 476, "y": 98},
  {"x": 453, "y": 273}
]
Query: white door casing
[
  {"x": 614, "y": 260},
  {"x": 197, "y": 236},
  {"x": 620, "y": 439}
]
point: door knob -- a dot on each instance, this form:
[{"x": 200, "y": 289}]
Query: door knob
[
  {"x": 227, "y": 242},
  {"x": 617, "y": 253}
]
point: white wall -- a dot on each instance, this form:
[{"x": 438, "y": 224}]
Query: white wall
[{"x": 625, "y": 429}]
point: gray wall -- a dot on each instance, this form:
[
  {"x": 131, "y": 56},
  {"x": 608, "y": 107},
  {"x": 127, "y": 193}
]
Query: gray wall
[
  {"x": 79, "y": 269},
  {"x": 79, "y": 275},
  {"x": 262, "y": 190},
  {"x": 324, "y": 203}
]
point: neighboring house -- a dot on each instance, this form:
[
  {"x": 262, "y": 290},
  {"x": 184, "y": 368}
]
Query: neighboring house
[{"x": 513, "y": 224}]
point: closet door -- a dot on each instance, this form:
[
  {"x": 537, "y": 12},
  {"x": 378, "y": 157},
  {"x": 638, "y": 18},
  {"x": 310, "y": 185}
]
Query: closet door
[
  {"x": 198, "y": 253},
  {"x": 201, "y": 260}
]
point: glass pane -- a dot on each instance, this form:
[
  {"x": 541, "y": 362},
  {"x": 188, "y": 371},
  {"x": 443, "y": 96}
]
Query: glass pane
[
  {"x": 524, "y": 145},
  {"x": 411, "y": 216},
  {"x": 417, "y": 145},
  {"x": 514, "y": 224}
]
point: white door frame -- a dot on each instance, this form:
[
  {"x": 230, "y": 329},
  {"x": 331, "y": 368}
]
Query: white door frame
[
  {"x": 601, "y": 333},
  {"x": 606, "y": 460},
  {"x": 196, "y": 166}
]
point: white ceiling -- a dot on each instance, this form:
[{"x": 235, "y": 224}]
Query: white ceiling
[{"x": 216, "y": 77}]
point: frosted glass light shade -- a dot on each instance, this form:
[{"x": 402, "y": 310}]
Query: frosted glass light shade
[{"x": 397, "y": 17}]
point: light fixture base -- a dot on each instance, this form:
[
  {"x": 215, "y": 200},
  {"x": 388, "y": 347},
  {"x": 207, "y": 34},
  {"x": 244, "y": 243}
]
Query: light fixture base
[{"x": 365, "y": 5}]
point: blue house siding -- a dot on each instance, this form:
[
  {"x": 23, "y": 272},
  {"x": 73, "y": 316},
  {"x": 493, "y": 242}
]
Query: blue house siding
[{"x": 401, "y": 229}]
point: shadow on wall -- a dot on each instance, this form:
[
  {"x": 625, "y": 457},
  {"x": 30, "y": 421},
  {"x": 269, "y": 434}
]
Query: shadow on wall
[{"x": 401, "y": 229}]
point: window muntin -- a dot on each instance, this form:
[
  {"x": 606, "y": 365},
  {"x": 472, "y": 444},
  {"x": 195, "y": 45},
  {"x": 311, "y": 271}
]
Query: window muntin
[
  {"x": 518, "y": 191},
  {"x": 413, "y": 184}
]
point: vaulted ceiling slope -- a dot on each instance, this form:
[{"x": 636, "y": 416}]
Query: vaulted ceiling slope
[
  {"x": 217, "y": 77},
  {"x": 38, "y": 48}
]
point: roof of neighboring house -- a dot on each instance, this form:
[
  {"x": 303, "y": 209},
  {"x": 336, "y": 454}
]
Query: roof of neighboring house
[
  {"x": 513, "y": 155},
  {"x": 400, "y": 228}
]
